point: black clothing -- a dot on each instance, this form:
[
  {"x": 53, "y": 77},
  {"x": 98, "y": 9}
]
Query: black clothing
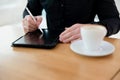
[{"x": 65, "y": 13}]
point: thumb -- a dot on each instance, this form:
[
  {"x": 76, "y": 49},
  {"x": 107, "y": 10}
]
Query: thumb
[{"x": 39, "y": 20}]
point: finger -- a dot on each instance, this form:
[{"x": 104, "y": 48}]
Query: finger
[
  {"x": 28, "y": 27},
  {"x": 70, "y": 31},
  {"x": 32, "y": 28},
  {"x": 28, "y": 24},
  {"x": 69, "y": 35},
  {"x": 31, "y": 24},
  {"x": 66, "y": 35},
  {"x": 72, "y": 38},
  {"x": 24, "y": 23},
  {"x": 39, "y": 20},
  {"x": 73, "y": 27},
  {"x": 30, "y": 21},
  {"x": 25, "y": 29}
]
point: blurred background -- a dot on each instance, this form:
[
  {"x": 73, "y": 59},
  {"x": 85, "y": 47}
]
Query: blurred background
[{"x": 11, "y": 13}]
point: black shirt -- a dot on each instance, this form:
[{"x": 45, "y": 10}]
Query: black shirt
[{"x": 65, "y": 13}]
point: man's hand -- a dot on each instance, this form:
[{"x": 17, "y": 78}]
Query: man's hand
[
  {"x": 30, "y": 25},
  {"x": 71, "y": 33}
]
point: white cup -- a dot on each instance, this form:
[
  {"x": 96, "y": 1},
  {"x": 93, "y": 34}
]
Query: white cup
[{"x": 92, "y": 36}]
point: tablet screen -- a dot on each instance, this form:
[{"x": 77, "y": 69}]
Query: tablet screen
[{"x": 38, "y": 40}]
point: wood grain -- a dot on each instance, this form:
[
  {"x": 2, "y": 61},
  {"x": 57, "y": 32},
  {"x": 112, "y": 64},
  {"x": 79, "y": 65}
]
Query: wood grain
[{"x": 60, "y": 63}]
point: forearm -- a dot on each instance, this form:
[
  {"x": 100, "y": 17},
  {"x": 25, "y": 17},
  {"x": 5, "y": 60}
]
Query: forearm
[
  {"x": 112, "y": 25},
  {"x": 108, "y": 16}
]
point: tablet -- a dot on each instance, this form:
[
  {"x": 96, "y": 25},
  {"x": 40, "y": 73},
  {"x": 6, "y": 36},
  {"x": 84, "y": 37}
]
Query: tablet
[{"x": 36, "y": 39}]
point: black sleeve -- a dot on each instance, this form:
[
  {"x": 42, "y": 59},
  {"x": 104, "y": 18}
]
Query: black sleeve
[
  {"x": 34, "y": 6},
  {"x": 108, "y": 16}
]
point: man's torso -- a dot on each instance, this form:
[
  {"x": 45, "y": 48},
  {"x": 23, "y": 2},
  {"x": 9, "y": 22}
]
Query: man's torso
[{"x": 65, "y": 13}]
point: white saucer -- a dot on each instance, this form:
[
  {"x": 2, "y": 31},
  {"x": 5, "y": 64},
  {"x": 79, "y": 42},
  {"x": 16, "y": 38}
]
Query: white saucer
[{"x": 106, "y": 48}]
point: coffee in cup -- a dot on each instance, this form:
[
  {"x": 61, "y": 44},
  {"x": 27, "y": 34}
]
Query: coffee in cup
[{"x": 92, "y": 36}]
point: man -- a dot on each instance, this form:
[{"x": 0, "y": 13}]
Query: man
[{"x": 72, "y": 15}]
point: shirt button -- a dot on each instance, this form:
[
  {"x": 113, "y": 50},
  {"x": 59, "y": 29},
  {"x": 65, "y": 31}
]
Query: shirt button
[{"x": 62, "y": 5}]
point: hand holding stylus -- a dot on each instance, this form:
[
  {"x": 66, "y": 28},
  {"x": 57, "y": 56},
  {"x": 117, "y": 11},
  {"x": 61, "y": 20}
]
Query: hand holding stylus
[{"x": 31, "y": 23}]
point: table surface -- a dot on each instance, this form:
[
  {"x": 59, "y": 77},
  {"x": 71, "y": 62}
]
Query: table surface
[{"x": 60, "y": 63}]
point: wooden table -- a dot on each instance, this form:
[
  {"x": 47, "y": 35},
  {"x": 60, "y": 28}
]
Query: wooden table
[{"x": 60, "y": 63}]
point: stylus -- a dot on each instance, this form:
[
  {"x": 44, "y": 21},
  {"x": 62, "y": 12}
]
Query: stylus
[{"x": 33, "y": 17}]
